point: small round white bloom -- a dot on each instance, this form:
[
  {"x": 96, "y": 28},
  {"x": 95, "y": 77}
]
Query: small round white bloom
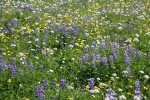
[
  {"x": 137, "y": 97},
  {"x": 94, "y": 91},
  {"x": 70, "y": 46},
  {"x": 13, "y": 45},
  {"x": 112, "y": 78},
  {"x": 120, "y": 28},
  {"x": 129, "y": 40},
  {"x": 122, "y": 97},
  {"x": 36, "y": 40},
  {"x": 64, "y": 58},
  {"x": 136, "y": 40},
  {"x": 55, "y": 49},
  {"x": 102, "y": 84},
  {"x": 72, "y": 59},
  {"x": 107, "y": 98},
  {"x": 52, "y": 31},
  {"x": 36, "y": 57},
  {"x": 98, "y": 78},
  {"x": 137, "y": 35},
  {"x": 29, "y": 42},
  {"x": 119, "y": 89},
  {"x": 39, "y": 82},
  {"x": 114, "y": 74},
  {"x": 51, "y": 71},
  {"x": 148, "y": 33},
  {"x": 146, "y": 76},
  {"x": 32, "y": 49},
  {"x": 76, "y": 44},
  {"x": 141, "y": 71},
  {"x": 61, "y": 67},
  {"x": 125, "y": 72},
  {"x": 70, "y": 87},
  {"x": 20, "y": 85},
  {"x": 87, "y": 34},
  {"x": 57, "y": 41}
]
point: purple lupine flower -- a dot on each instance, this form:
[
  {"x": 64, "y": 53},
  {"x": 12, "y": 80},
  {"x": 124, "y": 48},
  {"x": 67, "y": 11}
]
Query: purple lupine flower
[
  {"x": 97, "y": 57},
  {"x": 39, "y": 49},
  {"x": 45, "y": 85},
  {"x": 109, "y": 90},
  {"x": 93, "y": 64},
  {"x": 137, "y": 91},
  {"x": 1, "y": 58},
  {"x": 127, "y": 59},
  {"x": 103, "y": 44},
  {"x": 2, "y": 67},
  {"x": 2, "y": 64},
  {"x": 1, "y": 50},
  {"x": 31, "y": 66},
  {"x": 115, "y": 56},
  {"x": 12, "y": 69},
  {"x": 54, "y": 98},
  {"x": 130, "y": 26},
  {"x": 137, "y": 88},
  {"x": 80, "y": 63},
  {"x": 20, "y": 71},
  {"x": 105, "y": 61},
  {"x": 148, "y": 55},
  {"x": 91, "y": 83},
  {"x": 85, "y": 57},
  {"x": 110, "y": 95},
  {"x": 114, "y": 47},
  {"x": 94, "y": 44},
  {"x": 14, "y": 61},
  {"x": 42, "y": 67},
  {"x": 24, "y": 61},
  {"x": 39, "y": 93},
  {"x": 128, "y": 71},
  {"x": 13, "y": 22},
  {"x": 86, "y": 48},
  {"x": 93, "y": 57},
  {"x": 111, "y": 61},
  {"x": 107, "y": 40},
  {"x": 63, "y": 83},
  {"x": 139, "y": 54},
  {"x": 53, "y": 85},
  {"x": 137, "y": 84}
]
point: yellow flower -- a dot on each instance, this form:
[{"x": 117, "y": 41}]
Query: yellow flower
[
  {"x": 87, "y": 87},
  {"x": 70, "y": 98},
  {"x": 129, "y": 93},
  {"x": 58, "y": 85},
  {"x": 130, "y": 86},
  {"x": 36, "y": 23},
  {"x": 9, "y": 81},
  {"x": 117, "y": 77},
  {"x": 93, "y": 96},
  {"x": 145, "y": 88},
  {"x": 95, "y": 87},
  {"x": 81, "y": 45}
]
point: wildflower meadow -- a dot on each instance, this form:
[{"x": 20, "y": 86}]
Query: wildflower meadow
[{"x": 74, "y": 49}]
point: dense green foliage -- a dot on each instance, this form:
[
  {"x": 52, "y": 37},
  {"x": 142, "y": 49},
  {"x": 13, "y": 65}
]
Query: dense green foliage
[{"x": 66, "y": 43}]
